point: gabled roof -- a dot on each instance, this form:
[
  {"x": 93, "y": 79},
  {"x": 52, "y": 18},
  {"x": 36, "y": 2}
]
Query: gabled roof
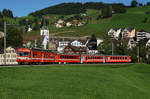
[
  {"x": 116, "y": 29},
  {"x": 32, "y": 38},
  {"x": 129, "y": 29},
  {"x": 141, "y": 30},
  {"x": 77, "y": 49},
  {"x": 44, "y": 28}
]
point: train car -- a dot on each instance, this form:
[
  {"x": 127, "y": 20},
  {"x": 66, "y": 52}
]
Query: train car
[
  {"x": 67, "y": 58},
  {"x": 24, "y": 56},
  {"x": 93, "y": 59},
  {"x": 117, "y": 59},
  {"x": 35, "y": 56}
]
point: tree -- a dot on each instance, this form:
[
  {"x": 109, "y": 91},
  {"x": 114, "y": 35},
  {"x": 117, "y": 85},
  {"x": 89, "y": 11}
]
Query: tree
[
  {"x": 119, "y": 9},
  {"x": 134, "y": 3},
  {"x": 7, "y": 13},
  {"x": 14, "y": 37},
  {"x": 107, "y": 12},
  {"x": 1, "y": 14},
  {"x": 145, "y": 20},
  {"x": 148, "y": 3}
]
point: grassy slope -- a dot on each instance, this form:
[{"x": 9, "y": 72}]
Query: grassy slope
[
  {"x": 133, "y": 18},
  {"x": 91, "y": 82}
]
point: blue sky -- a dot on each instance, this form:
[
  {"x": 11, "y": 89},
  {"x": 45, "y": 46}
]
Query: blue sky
[{"x": 24, "y": 7}]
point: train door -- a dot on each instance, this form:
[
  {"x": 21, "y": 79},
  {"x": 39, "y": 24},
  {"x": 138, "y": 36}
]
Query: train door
[{"x": 81, "y": 59}]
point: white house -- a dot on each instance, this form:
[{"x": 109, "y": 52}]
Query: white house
[
  {"x": 114, "y": 33},
  {"x": 78, "y": 43},
  {"x": 68, "y": 24},
  {"x": 63, "y": 43},
  {"x": 140, "y": 35},
  {"x": 11, "y": 56},
  {"x": 131, "y": 43},
  {"x": 58, "y": 25},
  {"x": 99, "y": 41},
  {"x": 29, "y": 29},
  {"x": 148, "y": 43},
  {"x": 60, "y": 21}
]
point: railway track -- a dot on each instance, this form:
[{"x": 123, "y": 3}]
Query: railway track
[{"x": 16, "y": 65}]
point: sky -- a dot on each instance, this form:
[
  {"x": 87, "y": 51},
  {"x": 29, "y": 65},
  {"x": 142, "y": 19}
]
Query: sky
[{"x": 24, "y": 7}]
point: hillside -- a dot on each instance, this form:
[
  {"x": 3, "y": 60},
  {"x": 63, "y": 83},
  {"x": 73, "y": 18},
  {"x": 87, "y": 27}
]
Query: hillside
[{"x": 133, "y": 18}]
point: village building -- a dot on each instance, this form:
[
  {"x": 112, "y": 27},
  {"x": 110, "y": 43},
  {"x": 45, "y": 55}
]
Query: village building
[
  {"x": 131, "y": 43},
  {"x": 148, "y": 43},
  {"x": 11, "y": 56},
  {"x": 142, "y": 35},
  {"x": 68, "y": 24},
  {"x": 114, "y": 33},
  {"x": 32, "y": 41},
  {"x": 128, "y": 33},
  {"x": 1, "y": 34},
  {"x": 75, "y": 49}
]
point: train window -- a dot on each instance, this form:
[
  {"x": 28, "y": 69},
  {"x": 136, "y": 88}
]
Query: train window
[
  {"x": 125, "y": 57},
  {"x": 26, "y": 53},
  {"x": 20, "y": 54}
]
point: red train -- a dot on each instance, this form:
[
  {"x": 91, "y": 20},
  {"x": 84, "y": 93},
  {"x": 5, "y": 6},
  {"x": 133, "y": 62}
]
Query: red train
[{"x": 36, "y": 56}]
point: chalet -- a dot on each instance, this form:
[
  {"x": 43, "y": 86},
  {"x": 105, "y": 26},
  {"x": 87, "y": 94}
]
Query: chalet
[
  {"x": 148, "y": 44},
  {"x": 131, "y": 43},
  {"x": 79, "y": 43},
  {"x": 142, "y": 35},
  {"x": 114, "y": 33},
  {"x": 68, "y": 24},
  {"x": 75, "y": 49},
  {"x": 128, "y": 33},
  {"x": 60, "y": 21},
  {"x": 59, "y": 25},
  {"x": 29, "y": 41},
  {"x": 11, "y": 56}
]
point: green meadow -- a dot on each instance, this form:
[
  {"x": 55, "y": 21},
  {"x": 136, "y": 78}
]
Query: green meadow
[{"x": 104, "y": 81}]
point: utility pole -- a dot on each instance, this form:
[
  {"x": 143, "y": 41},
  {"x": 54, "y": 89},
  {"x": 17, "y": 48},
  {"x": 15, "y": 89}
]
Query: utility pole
[
  {"x": 4, "y": 43},
  {"x": 35, "y": 44},
  {"x": 112, "y": 48},
  {"x": 138, "y": 53}
]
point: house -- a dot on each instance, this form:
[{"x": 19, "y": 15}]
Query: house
[
  {"x": 148, "y": 44},
  {"x": 58, "y": 25},
  {"x": 114, "y": 33},
  {"x": 11, "y": 56},
  {"x": 131, "y": 43},
  {"x": 99, "y": 41},
  {"x": 29, "y": 29},
  {"x": 29, "y": 41},
  {"x": 142, "y": 35},
  {"x": 68, "y": 24},
  {"x": 63, "y": 43},
  {"x": 60, "y": 21},
  {"x": 128, "y": 33},
  {"x": 79, "y": 43},
  {"x": 1, "y": 34},
  {"x": 92, "y": 51},
  {"x": 75, "y": 49}
]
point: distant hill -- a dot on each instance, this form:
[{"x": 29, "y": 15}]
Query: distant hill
[
  {"x": 61, "y": 9},
  {"x": 72, "y": 8}
]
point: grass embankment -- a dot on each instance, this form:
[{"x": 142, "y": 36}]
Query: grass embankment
[{"x": 76, "y": 82}]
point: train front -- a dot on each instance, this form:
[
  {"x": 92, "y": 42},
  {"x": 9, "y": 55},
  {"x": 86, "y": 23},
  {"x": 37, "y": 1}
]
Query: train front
[{"x": 24, "y": 56}]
